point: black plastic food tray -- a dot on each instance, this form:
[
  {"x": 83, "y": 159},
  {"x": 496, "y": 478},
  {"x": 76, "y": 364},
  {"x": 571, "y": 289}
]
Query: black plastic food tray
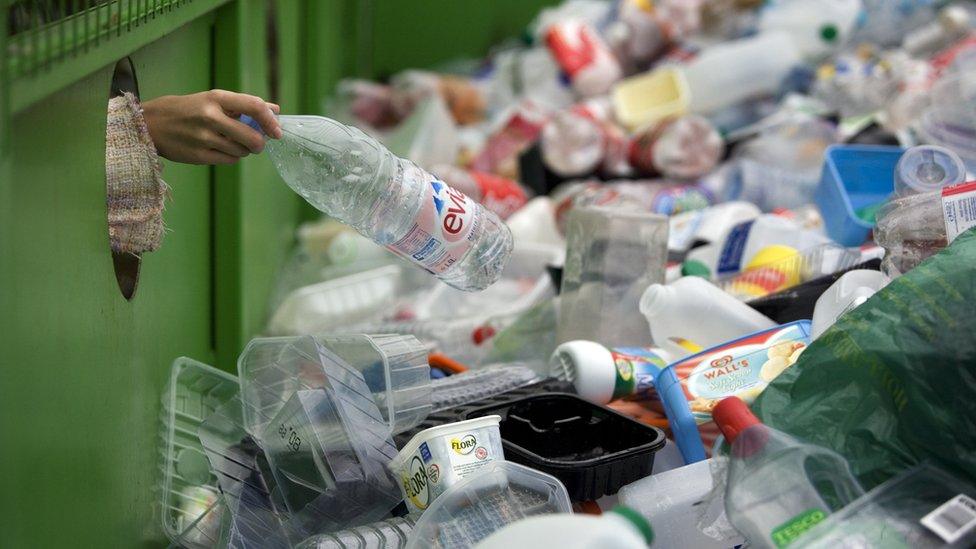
[
  {"x": 459, "y": 413},
  {"x": 592, "y": 449}
]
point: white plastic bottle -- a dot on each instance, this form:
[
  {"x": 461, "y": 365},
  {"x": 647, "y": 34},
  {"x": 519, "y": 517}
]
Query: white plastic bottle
[
  {"x": 350, "y": 176},
  {"x": 733, "y": 72},
  {"x": 743, "y": 241},
  {"x": 601, "y": 375},
  {"x": 620, "y": 528},
  {"x": 708, "y": 224},
  {"x": 849, "y": 292},
  {"x": 694, "y": 309}
]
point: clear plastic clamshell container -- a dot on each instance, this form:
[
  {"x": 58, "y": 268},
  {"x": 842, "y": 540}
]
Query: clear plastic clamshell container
[
  {"x": 191, "y": 508},
  {"x": 473, "y": 509},
  {"x": 394, "y": 367}
]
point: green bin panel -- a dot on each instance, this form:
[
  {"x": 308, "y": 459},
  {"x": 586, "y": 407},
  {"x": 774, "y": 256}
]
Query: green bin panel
[{"x": 82, "y": 369}]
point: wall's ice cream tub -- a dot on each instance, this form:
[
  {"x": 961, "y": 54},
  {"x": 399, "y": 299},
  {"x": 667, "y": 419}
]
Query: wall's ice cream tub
[
  {"x": 691, "y": 387},
  {"x": 438, "y": 457}
]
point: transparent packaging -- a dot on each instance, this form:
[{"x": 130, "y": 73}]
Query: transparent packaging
[
  {"x": 475, "y": 385},
  {"x": 394, "y": 368},
  {"x": 328, "y": 449},
  {"x": 338, "y": 302},
  {"x": 471, "y": 510},
  {"x": 761, "y": 279},
  {"x": 350, "y": 176},
  {"x": 256, "y": 515},
  {"x": 191, "y": 510},
  {"x": 385, "y": 534},
  {"x": 777, "y": 486},
  {"x": 899, "y": 512},
  {"x": 612, "y": 257},
  {"x": 572, "y": 144},
  {"x": 676, "y": 504}
]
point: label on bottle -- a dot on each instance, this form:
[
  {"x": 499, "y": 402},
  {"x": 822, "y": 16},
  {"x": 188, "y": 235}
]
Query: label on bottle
[
  {"x": 786, "y": 533},
  {"x": 574, "y": 46},
  {"x": 443, "y": 230},
  {"x": 959, "y": 209},
  {"x": 730, "y": 260},
  {"x": 636, "y": 368}
]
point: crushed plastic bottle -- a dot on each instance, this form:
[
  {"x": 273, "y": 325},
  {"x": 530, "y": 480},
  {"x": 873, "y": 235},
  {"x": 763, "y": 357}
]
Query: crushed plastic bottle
[
  {"x": 915, "y": 223},
  {"x": 348, "y": 175},
  {"x": 685, "y": 148},
  {"x": 778, "y": 487}
]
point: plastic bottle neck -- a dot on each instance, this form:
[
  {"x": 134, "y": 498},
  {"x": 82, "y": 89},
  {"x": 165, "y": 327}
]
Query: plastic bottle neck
[{"x": 656, "y": 299}]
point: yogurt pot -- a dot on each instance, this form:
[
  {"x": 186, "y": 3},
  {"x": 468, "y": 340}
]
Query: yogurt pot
[{"x": 437, "y": 458}]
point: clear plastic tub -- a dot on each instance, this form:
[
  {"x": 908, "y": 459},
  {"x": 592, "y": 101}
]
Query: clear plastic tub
[
  {"x": 256, "y": 516},
  {"x": 191, "y": 510},
  {"x": 328, "y": 449},
  {"x": 612, "y": 257},
  {"x": 334, "y": 303},
  {"x": 394, "y": 368},
  {"x": 471, "y": 510}
]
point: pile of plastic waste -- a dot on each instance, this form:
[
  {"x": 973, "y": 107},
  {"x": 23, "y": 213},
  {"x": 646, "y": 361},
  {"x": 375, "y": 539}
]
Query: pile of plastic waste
[{"x": 682, "y": 273}]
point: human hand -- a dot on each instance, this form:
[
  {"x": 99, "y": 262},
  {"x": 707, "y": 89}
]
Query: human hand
[{"x": 202, "y": 128}]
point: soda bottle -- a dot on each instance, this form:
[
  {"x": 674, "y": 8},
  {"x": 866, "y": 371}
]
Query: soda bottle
[
  {"x": 778, "y": 487},
  {"x": 350, "y": 176},
  {"x": 685, "y": 147}
]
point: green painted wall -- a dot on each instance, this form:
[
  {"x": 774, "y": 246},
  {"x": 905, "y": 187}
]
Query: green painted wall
[{"x": 82, "y": 369}]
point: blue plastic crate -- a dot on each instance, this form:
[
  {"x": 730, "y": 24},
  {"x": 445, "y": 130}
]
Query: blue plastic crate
[{"x": 853, "y": 177}]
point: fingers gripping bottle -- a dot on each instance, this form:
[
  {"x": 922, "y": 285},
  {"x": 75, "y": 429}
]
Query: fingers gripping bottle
[{"x": 350, "y": 176}]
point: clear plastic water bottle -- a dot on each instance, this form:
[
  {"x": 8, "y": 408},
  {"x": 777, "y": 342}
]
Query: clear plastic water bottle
[
  {"x": 350, "y": 176},
  {"x": 778, "y": 487}
]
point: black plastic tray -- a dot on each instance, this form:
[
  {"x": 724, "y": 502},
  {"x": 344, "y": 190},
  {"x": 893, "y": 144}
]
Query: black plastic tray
[
  {"x": 592, "y": 449},
  {"x": 459, "y": 413}
]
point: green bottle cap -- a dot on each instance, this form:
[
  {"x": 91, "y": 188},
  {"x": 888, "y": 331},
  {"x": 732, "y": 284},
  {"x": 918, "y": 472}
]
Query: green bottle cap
[
  {"x": 828, "y": 32},
  {"x": 638, "y": 520},
  {"x": 693, "y": 267}
]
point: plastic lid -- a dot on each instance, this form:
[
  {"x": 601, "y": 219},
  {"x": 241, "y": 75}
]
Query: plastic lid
[
  {"x": 251, "y": 122},
  {"x": 588, "y": 365},
  {"x": 637, "y": 520},
  {"x": 693, "y": 267},
  {"x": 733, "y": 416},
  {"x": 927, "y": 168}
]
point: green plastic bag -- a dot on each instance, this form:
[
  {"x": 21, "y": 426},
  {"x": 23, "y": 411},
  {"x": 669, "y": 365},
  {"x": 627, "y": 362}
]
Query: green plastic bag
[{"x": 893, "y": 382}]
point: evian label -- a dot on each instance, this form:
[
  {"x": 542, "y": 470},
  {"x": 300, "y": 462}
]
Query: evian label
[{"x": 443, "y": 230}]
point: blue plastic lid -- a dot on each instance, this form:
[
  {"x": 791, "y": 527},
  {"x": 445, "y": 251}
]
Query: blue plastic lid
[{"x": 251, "y": 122}]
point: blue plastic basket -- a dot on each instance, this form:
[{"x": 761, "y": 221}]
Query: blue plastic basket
[{"x": 854, "y": 176}]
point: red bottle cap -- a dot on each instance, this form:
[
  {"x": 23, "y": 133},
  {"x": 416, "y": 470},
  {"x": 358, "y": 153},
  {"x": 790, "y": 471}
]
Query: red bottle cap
[{"x": 732, "y": 417}]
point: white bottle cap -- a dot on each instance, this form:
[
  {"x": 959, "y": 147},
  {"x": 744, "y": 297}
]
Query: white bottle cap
[{"x": 589, "y": 366}]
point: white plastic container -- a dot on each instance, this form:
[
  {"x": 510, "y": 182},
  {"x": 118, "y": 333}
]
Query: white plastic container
[
  {"x": 733, "y": 72},
  {"x": 708, "y": 224},
  {"x": 620, "y": 528},
  {"x": 601, "y": 375},
  {"x": 500, "y": 494},
  {"x": 741, "y": 243},
  {"x": 817, "y": 27},
  {"x": 437, "y": 458},
  {"x": 334, "y": 303},
  {"x": 693, "y": 308},
  {"x": 673, "y": 502},
  {"x": 849, "y": 292}
]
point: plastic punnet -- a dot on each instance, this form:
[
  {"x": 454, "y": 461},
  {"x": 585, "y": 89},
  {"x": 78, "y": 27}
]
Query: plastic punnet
[
  {"x": 474, "y": 508},
  {"x": 190, "y": 508},
  {"x": 394, "y": 368}
]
